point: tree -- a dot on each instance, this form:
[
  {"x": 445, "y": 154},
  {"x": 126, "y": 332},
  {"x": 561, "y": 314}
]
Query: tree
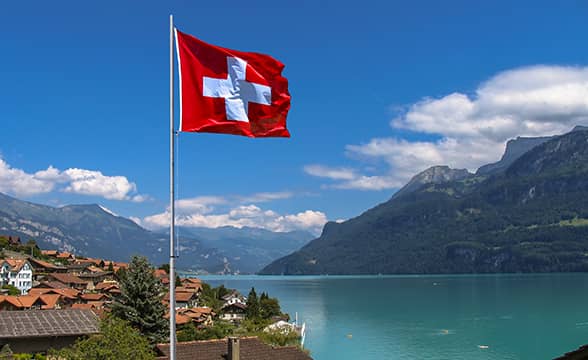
[
  {"x": 252, "y": 305},
  {"x": 117, "y": 340},
  {"x": 12, "y": 290},
  {"x": 140, "y": 300},
  {"x": 110, "y": 267},
  {"x": 219, "y": 330},
  {"x": 164, "y": 267},
  {"x": 269, "y": 307},
  {"x": 211, "y": 297}
]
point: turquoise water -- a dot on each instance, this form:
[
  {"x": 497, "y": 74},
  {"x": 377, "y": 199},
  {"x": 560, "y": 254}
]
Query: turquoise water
[{"x": 432, "y": 317}]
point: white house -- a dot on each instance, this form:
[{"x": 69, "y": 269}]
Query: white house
[
  {"x": 234, "y": 298},
  {"x": 234, "y": 312},
  {"x": 18, "y": 273}
]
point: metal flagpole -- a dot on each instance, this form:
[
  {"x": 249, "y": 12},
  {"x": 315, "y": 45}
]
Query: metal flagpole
[{"x": 172, "y": 253}]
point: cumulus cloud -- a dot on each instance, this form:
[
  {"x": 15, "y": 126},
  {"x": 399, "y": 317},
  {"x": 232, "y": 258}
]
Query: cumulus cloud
[
  {"x": 471, "y": 130},
  {"x": 246, "y": 215},
  {"x": 78, "y": 181},
  {"x": 17, "y": 182},
  {"x": 89, "y": 182}
]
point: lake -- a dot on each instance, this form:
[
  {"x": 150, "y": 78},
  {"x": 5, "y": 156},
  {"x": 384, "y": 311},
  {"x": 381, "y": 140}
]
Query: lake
[{"x": 469, "y": 317}]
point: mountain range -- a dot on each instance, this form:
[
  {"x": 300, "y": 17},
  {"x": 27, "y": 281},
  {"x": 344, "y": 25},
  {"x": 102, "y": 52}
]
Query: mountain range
[
  {"x": 527, "y": 212},
  {"x": 92, "y": 230}
]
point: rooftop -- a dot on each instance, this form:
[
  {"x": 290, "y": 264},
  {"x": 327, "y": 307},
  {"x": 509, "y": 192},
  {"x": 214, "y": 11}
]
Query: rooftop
[
  {"x": 68, "y": 279},
  {"x": 38, "y": 323},
  {"x": 251, "y": 348}
]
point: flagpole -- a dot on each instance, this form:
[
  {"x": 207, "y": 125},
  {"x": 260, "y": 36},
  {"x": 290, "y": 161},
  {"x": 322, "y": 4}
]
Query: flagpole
[{"x": 172, "y": 253}]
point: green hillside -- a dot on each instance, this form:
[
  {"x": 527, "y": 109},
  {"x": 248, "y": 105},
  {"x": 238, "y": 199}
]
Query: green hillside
[{"x": 531, "y": 217}]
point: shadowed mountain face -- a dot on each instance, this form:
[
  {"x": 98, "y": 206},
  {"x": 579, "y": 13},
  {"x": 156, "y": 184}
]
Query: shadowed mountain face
[
  {"x": 531, "y": 216},
  {"x": 90, "y": 230}
]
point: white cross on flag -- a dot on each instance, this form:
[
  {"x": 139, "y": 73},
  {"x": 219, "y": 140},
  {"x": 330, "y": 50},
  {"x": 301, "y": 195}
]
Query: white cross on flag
[{"x": 229, "y": 91}]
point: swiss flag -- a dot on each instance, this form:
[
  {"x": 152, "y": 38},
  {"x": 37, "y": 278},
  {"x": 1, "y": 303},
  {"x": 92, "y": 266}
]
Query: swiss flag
[{"x": 230, "y": 92}]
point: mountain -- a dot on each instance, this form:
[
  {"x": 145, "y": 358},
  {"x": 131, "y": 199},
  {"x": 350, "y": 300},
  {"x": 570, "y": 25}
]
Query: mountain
[
  {"x": 514, "y": 149},
  {"x": 91, "y": 230},
  {"x": 531, "y": 216},
  {"x": 247, "y": 250},
  {"x": 433, "y": 175}
]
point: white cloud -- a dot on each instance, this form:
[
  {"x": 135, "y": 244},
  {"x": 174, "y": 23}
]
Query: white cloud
[
  {"x": 17, "y": 182},
  {"x": 201, "y": 204},
  {"x": 240, "y": 216},
  {"x": 471, "y": 130},
  {"x": 89, "y": 182},
  {"x": 78, "y": 181},
  {"x": 330, "y": 172}
]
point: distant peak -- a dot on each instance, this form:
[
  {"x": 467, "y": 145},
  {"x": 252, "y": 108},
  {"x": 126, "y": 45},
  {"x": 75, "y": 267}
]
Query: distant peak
[
  {"x": 106, "y": 210},
  {"x": 580, "y": 128},
  {"x": 437, "y": 174}
]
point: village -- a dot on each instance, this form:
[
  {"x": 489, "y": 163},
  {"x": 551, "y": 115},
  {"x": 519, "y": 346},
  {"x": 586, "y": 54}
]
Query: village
[{"x": 50, "y": 298}]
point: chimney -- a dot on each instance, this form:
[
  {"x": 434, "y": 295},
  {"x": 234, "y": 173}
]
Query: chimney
[{"x": 233, "y": 353}]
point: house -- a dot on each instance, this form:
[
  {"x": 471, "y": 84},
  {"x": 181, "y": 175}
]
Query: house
[
  {"x": 160, "y": 274},
  {"x": 68, "y": 296},
  {"x": 40, "y": 266},
  {"x": 50, "y": 253},
  {"x": 247, "y": 348},
  {"x": 24, "y": 302},
  {"x": 234, "y": 298},
  {"x": 108, "y": 287},
  {"x": 52, "y": 301},
  {"x": 18, "y": 273},
  {"x": 51, "y": 284},
  {"x": 234, "y": 312},
  {"x": 192, "y": 283},
  {"x": 94, "y": 297},
  {"x": 184, "y": 300},
  {"x": 76, "y": 268},
  {"x": 66, "y": 256},
  {"x": 27, "y": 302},
  {"x": 71, "y": 281},
  {"x": 199, "y": 315},
  {"x": 39, "y": 330},
  {"x": 95, "y": 277}
]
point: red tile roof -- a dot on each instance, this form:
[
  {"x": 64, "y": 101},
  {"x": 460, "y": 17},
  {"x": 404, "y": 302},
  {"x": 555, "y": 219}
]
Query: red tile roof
[
  {"x": 83, "y": 306},
  {"x": 13, "y": 300},
  {"x": 16, "y": 264},
  {"x": 105, "y": 285},
  {"x": 50, "y": 300},
  {"x": 194, "y": 281},
  {"x": 160, "y": 273},
  {"x": 182, "y": 296},
  {"x": 93, "y": 297},
  {"x": 66, "y": 293},
  {"x": 43, "y": 264}
]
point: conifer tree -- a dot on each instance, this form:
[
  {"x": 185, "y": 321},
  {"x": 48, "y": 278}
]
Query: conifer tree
[
  {"x": 140, "y": 300},
  {"x": 252, "y": 305}
]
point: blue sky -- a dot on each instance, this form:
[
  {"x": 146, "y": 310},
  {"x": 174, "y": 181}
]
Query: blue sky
[{"x": 380, "y": 90}]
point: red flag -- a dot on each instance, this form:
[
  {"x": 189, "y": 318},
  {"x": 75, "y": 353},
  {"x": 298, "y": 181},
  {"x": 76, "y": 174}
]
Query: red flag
[{"x": 230, "y": 92}]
